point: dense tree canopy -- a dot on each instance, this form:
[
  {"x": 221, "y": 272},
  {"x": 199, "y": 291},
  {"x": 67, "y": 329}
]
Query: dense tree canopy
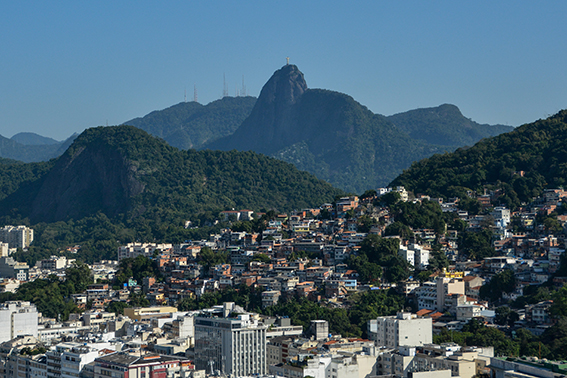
[{"x": 521, "y": 163}]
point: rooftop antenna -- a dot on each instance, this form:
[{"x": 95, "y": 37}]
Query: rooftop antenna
[
  {"x": 195, "y": 93},
  {"x": 287, "y": 61},
  {"x": 224, "y": 87}
]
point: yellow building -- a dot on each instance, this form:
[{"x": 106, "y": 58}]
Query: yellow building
[{"x": 144, "y": 314}]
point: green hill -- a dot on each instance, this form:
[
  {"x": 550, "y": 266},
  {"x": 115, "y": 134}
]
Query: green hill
[
  {"x": 444, "y": 125},
  {"x": 32, "y": 139},
  {"x": 124, "y": 172},
  {"x": 190, "y": 124},
  {"x": 522, "y": 163},
  {"x": 32, "y": 151}
]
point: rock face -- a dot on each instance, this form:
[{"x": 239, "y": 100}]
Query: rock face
[
  {"x": 124, "y": 172},
  {"x": 324, "y": 132},
  {"x": 91, "y": 179},
  {"x": 339, "y": 140},
  {"x": 268, "y": 126}
]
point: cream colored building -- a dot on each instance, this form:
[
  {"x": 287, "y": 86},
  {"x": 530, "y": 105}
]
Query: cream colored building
[
  {"x": 448, "y": 283},
  {"x": 145, "y": 314}
]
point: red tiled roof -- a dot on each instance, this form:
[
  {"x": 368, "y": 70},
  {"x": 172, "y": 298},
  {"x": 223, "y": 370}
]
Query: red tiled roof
[{"x": 424, "y": 312}]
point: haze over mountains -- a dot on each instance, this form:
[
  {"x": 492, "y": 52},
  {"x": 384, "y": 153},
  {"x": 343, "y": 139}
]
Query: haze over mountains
[
  {"x": 334, "y": 137},
  {"x": 31, "y": 147},
  {"x": 191, "y": 125},
  {"x": 323, "y": 132}
]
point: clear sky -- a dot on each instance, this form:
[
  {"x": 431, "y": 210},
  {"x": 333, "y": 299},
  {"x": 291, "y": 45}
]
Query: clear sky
[{"x": 69, "y": 65}]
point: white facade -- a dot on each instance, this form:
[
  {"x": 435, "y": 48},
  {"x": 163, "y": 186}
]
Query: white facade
[
  {"x": 501, "y": 216},
  {"x": 17, "y": 319},
  {"x": 133, "y": 250},
  {"x": 404, "y": 329},
  {"x": 416, "y": 255},
  {"x": 235, "y": 346},
  {"x": 467, "y": 312},
  {"x": 56, "y": 263},
  {"x": 426, "y": 296},
  {"x": 16, "y": 236}
]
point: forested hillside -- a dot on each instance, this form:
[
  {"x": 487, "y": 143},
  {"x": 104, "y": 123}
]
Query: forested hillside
[
  {"x": 341, "y": 141},
  {"x": 190, "y": 124},
  {"x": 522, "y": 163},
  {"x": 120, "y": 183},
  {"x": 444, "y": 125}
]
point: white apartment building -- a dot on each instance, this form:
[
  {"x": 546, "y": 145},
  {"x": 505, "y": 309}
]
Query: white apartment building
[
  {"x": 67, "y": 360},
  {"x": 56, "y": 263},
  {"x": 133, "y": 250},
  {"x": 416, "y": 255},
  {"x": 443, "y": 361},
  {"x": 426, "y": 296},
  {"x": 404, "y": 329},
  {"x": 10, "y": 268},
  {"x": 501, "y": 216},
  {"x": 468, "y": 311},
  {"x": 235, "y": 346},
  {"x": 336, "y": 365},
  {"x": 18, "y": 318},
  {"x": 16, "y": 236}
]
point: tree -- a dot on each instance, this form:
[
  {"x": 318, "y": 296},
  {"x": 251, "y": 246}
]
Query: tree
[
  {"x": 504, "y": 282},
  {"x": 389, "y": 198},
  {"x": 261, "y": 257},
  {"x": 80, "y": 276},
  {"x": 208, "y": 258},
  {"x": 505, "y": 316},
  {"x": 365, "y": 223},
  {"x": 117, "y": 307},
  {"x": 398, "y": 228}
]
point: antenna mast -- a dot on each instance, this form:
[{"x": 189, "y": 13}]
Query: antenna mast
[
  {"x": 224, "y": 87},
  {"x": 243, "y": 87},
  {"x": 185, "y": 95},
  {"x": 195, "y": 93}
]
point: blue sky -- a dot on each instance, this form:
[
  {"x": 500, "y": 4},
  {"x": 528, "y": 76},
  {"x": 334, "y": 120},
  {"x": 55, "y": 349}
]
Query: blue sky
[{"x": 69, "y": 65}]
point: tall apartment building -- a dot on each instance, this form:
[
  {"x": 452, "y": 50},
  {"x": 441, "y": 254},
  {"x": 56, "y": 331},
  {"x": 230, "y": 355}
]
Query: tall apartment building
[
  {"x": 447, "y": 285},
  {"x": 10, "y": 268},
  {"x": 233, "y": 345},
  {"x": 16, "y": 236},
  {"x": 404, "y": 329},
  {"x": 17, "y": 319},
  {"x": 415, "y": 254}
]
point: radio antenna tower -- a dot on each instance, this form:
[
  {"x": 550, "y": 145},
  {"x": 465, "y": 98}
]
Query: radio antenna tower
[
  {"x": 195, "y": 93},
  {"x": 243, "y": 87},
  {"x": 185, "y": 95},
  {"x": 224, "y": 87}
]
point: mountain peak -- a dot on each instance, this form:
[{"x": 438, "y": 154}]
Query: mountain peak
[
  {"x": 284, "y": 87},
  {"x": 273, "y": 111}
]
